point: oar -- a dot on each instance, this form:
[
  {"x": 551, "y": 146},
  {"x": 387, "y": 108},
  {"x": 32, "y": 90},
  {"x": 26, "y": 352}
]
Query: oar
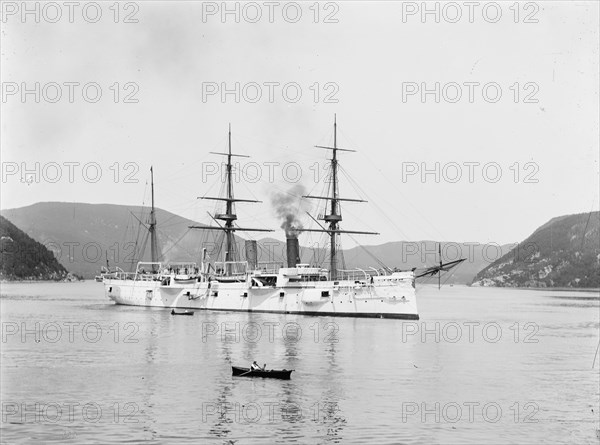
[{"x": 246, "y": 372}]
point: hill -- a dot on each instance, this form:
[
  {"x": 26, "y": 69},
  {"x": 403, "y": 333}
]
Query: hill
[
  {"x": 564, "y": 252},
  {"x": 405, "y": 255},
  {"x": 82, "y": 236},
  {"x": 23, "y": 258}
]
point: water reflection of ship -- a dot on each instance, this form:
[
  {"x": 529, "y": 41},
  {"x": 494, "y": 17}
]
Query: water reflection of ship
[
  {"x": 150, "y": 385},
  {"x": 290, "y": 399},
  {"x": 330, "y": 411},
  {"x": 221, "y": 427},
  {"x": 297, "y": 408}
]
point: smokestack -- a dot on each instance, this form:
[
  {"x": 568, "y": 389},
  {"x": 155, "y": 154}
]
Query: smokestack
[
  {"x": 293, "y": 252},
  {"x": 251, "y": 254}
]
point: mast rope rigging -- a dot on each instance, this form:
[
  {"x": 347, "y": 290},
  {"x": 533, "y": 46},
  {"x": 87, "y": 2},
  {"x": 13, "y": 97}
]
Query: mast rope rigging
[
  {"x": 381, "y": 263},
  {"x": 229, "y": 215},
  {"x": 139, "y": 254},
  {"x": 399, "y": 191},
  {"x": 452, "y": 272},
  {"x": 359, "y": 189},
  {"x": 163, "y": 255},
  {"x": 333, "y": 217},
  {"x": 137, "y": 238}
]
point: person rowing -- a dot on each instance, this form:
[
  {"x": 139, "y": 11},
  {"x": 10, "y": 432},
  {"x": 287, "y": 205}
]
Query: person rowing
[{"x": 256, "y": 367}]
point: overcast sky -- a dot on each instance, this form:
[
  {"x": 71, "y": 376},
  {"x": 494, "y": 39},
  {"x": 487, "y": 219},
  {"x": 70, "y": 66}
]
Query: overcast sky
[{"x": 523, "y": 157}]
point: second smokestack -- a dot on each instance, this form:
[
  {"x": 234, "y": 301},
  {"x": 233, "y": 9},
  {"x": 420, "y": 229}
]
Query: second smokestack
[{"x": 251, "y": 254}]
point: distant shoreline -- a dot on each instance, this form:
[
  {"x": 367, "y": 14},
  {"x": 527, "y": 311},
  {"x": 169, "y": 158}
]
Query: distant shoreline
[
  {"x": 554, "y": 289},
  {"x": 558, "y": 289},
  {"x": 5, "y": 281}
]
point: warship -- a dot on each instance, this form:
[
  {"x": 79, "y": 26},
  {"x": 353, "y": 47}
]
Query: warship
[{"x": 231, "y": 284}]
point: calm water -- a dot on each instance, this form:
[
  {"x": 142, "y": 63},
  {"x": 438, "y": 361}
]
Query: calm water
[{"x": 494, "y": 366}]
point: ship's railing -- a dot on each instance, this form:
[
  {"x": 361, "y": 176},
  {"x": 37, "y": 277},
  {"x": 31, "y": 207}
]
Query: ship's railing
[
  {"x": 148, "y": 267},
  {"x": 150, "y": 271},
  {"x": 181, "y": 268},
  {"x": 230, "y": 268},
  {"x": 353, "y": 274},
  {"x": 148, "y": 277},
  {"x": 144, "y": 272},
  {"x": 269, "y": 267},
  {"x": 134, "y": 276},
  {"x": 108, "y": 274},
  {"x": 120, "y": 275},
  {"x": 378, "y": 272},
  {"x": 359, "y": 274}
]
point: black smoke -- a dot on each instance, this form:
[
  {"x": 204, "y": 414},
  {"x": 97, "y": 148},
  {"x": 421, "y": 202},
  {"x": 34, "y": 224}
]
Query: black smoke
[{"x": 287, "y": 205}]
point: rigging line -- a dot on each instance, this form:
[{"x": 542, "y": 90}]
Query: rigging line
[
  {"x": 243, "y": 183},
  {"x": 448, "y": 276},
  {"x": 184, "y": 204},
  {"x": 597, "y": 348},
  {"x": 372, "y": 202},
  {"x": 177, "y": 174},
  {"x": 285, "y": 151},
  {"x": 354, "y": 216},
  {"x": 206, "y": 237},
  {"x": 398, "y": 190},
  {"x": 377, "y": 260},
  {"x": 219, "y": 244},
  {"x": 140, "y": 221},
  {"x": 135, "y": 251},
  {"x": 125, "y": 234},
  {"x": 352, "y": 182},
  {"x": 163, "y": 255},
  {"x": 259, "y": 141},
  {"x": 277, "y": 146},
  {"x": 135, "y": 246},
  {"x": 299, "y": 155},
  {"x": 173, "y": 216},
  {"x": 453, "y": 271},
  {"x": 177, "y": 224},
  {"x": 176, "y": 215},
  {"x": 212, "y": 239},
  {"x": 326, "y": 136},
  {"x": 211, "y": 187},
  {"x": 201, "y": 159},
  {"x": 276, "y": 257}
]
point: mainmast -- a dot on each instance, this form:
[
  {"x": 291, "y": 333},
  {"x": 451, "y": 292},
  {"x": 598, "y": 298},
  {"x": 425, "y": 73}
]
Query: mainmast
[
  {"x": 152, "y": 228},
  {"x": 229, "y": 216},
  {"x": 334, "y": 217}
]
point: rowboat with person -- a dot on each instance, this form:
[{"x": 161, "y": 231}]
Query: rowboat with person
[{"x": 282, "y": 374}]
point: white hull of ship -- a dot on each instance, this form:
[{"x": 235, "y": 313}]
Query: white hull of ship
[{"x": 346, "y": 299}]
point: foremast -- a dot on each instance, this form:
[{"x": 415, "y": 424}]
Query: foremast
[
  {"x": 334, "y": 217},
  {"x": 228, "y": 218},
  {"x": 152, "y": 225}
]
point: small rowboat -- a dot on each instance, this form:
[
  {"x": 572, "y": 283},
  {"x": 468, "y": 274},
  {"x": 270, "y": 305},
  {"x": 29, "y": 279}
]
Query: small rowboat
[
  {"x": 283, "y": 374},
  {"x": 182, "y": 313}
]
